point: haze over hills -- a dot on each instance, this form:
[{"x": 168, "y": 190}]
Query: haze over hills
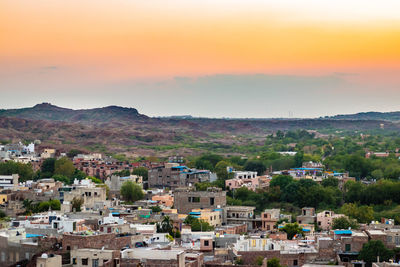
[{"x": 116, "y": 129}]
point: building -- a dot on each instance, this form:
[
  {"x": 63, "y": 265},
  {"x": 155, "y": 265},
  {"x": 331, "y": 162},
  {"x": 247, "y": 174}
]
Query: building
[
  {"x": 244, "y": 174},
  {"x": 325, "y": 219},
  {"x": 49, "y": 260},
  {"x": 87, "y": 257},
  {"x": 115, "y": 182},
  {"x": 85, "y": 189},
  {"x": 307, "y": 216},
  {"x": 187, "y": 199},
  {"x": 236, "y": 215},
  {"x": 213, "y": 217},
  {"x": 9, "y": 181},
  {"x": 269, "y": 219},
  {"x": 164, "y": 200},
  {"x": 173, "y": 176},
  {"x": 167, "y": 258}
]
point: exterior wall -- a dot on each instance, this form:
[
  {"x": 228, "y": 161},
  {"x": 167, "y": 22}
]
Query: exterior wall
[
  {"x": 108, "y": 241},
  {"x": 187, "y": 200},
  {"x": 89, "y": 195},
  {"x": 325, "y": 219},
  {"x": 174, "y": 177},
  {"x": 3, "y": 198},
  {"x": 165, "y": 200},
  {"x": 214, "y": 218},
  {"x": 54, "y": 261},
  {"x": 307, "y": 216},
  {"x": 81, "y": 256},
  {"x": 290, "y": 260},
  {"x": 269, "y": 218}
]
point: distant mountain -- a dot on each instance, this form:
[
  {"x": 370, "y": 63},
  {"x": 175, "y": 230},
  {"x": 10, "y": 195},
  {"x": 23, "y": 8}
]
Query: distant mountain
[
  {"x": 49, "y": 112},
  {"x": 385, "y": 116},
  {"x": 116, "y": 129}
]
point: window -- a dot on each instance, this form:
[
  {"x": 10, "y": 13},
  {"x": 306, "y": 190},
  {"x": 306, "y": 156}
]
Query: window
[
  {"x": 68, "y": 248},
  {"x": 85, "y": 261},
  {"x": 194, "y": 199},
  {"x": 95, "y": 263},
  {"x": 74, "y": 262},
  {"x": 109, "y": 230},
  {"x": 295, "y": 263},
  {"x": 206, "y": 243},
  {"x": 211, "y": 201},
  {"x": 348, "y": 247}
]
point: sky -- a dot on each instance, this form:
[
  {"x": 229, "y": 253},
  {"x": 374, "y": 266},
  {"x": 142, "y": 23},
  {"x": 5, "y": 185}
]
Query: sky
[{"x": 225, "y": 58}]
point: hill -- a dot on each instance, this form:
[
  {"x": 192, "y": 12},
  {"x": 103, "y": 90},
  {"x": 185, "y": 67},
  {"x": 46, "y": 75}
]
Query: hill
[
  {"x": 46, "y": 111},
  {"x": 386, "y": 116},
  {"x": 124, "y": 130}
]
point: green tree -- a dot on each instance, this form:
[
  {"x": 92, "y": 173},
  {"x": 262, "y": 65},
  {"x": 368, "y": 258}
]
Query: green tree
[
  {"x": 292, "y": 229},
  {"x": 141, "y": 171},
  {"x": 330, "y": 181},
  {"x": 73, "y": 152},
  {"x": 94, "y": 179},
  {"x": 76, "y": 203},
  {"x": 64, "y": 166},
  {"x": 198, "y": 225},
  {"x": 62, "y": 178},
  {"x": 374, "y": 248},
  {"x": 256, "y": 166},
  {"x": 274, "y": 262},
  {"x": 47, "y": 169},
  {"x": 259, "y": 260},
  {"x": 24, "y": 171},
  {"x": 156, "y": 209},
  {"x": 221, "y": 170},
  {"x": 131, "y": 192},
  {"x": 363, "y": 214},
  {"x": 344, "y": 223}
]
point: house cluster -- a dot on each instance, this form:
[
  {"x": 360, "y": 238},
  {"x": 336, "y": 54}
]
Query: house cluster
[
  {"x": 160, "y": 229},
  {"x": 107, "y": 232}
]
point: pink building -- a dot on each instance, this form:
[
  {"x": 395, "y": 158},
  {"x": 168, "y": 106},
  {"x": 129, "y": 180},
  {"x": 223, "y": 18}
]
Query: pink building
[
  {"x": 250, "y": 183},
  {"x": 165, "y": 200},
  {"x": 325, "y": 219}
]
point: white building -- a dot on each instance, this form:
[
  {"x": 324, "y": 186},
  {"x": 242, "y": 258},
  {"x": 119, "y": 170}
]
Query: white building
[{"x": 9, "y": 181}]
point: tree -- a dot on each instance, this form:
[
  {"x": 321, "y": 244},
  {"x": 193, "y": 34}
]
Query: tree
[
  {"x": 221, "y": 170},
  {"x": 281, "y": 180},
  {"x": 24, "y": 171},
  {"x": 198, "y": 225},
  {"x": 256, "y": 166},
  {"x": 363, "y": 214},
  {"x": 344, "y": 223},
  {"x": 94, "y": 179},
  {"x": 62, "y": 178},
  {"x": 274, "y": 262},
  {"x": 64, "y": 166},
  {"x": 292, "y": 229},
  {"x": 165, "y": 226},
  {"x": 141, "y": 171},
  {"x": 156, "y": 209},
  {"x": 47, "y": 169},
  {"x": 259, "y": 260},
  {"x": 374, "y": 248},
  {"x": 330, "y": 181},
  {"x": 77, "y": 203},
  {"x": 73, "y": 152},
  {"x": 131, "y": 192}
]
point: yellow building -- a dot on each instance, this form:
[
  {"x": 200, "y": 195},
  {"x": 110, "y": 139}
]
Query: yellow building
[
  {"x": 3, "y": 198},
  {"x": 213, "y": 217}
]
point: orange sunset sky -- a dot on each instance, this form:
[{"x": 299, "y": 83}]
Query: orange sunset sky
[{"x": 205, "y": 58}]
